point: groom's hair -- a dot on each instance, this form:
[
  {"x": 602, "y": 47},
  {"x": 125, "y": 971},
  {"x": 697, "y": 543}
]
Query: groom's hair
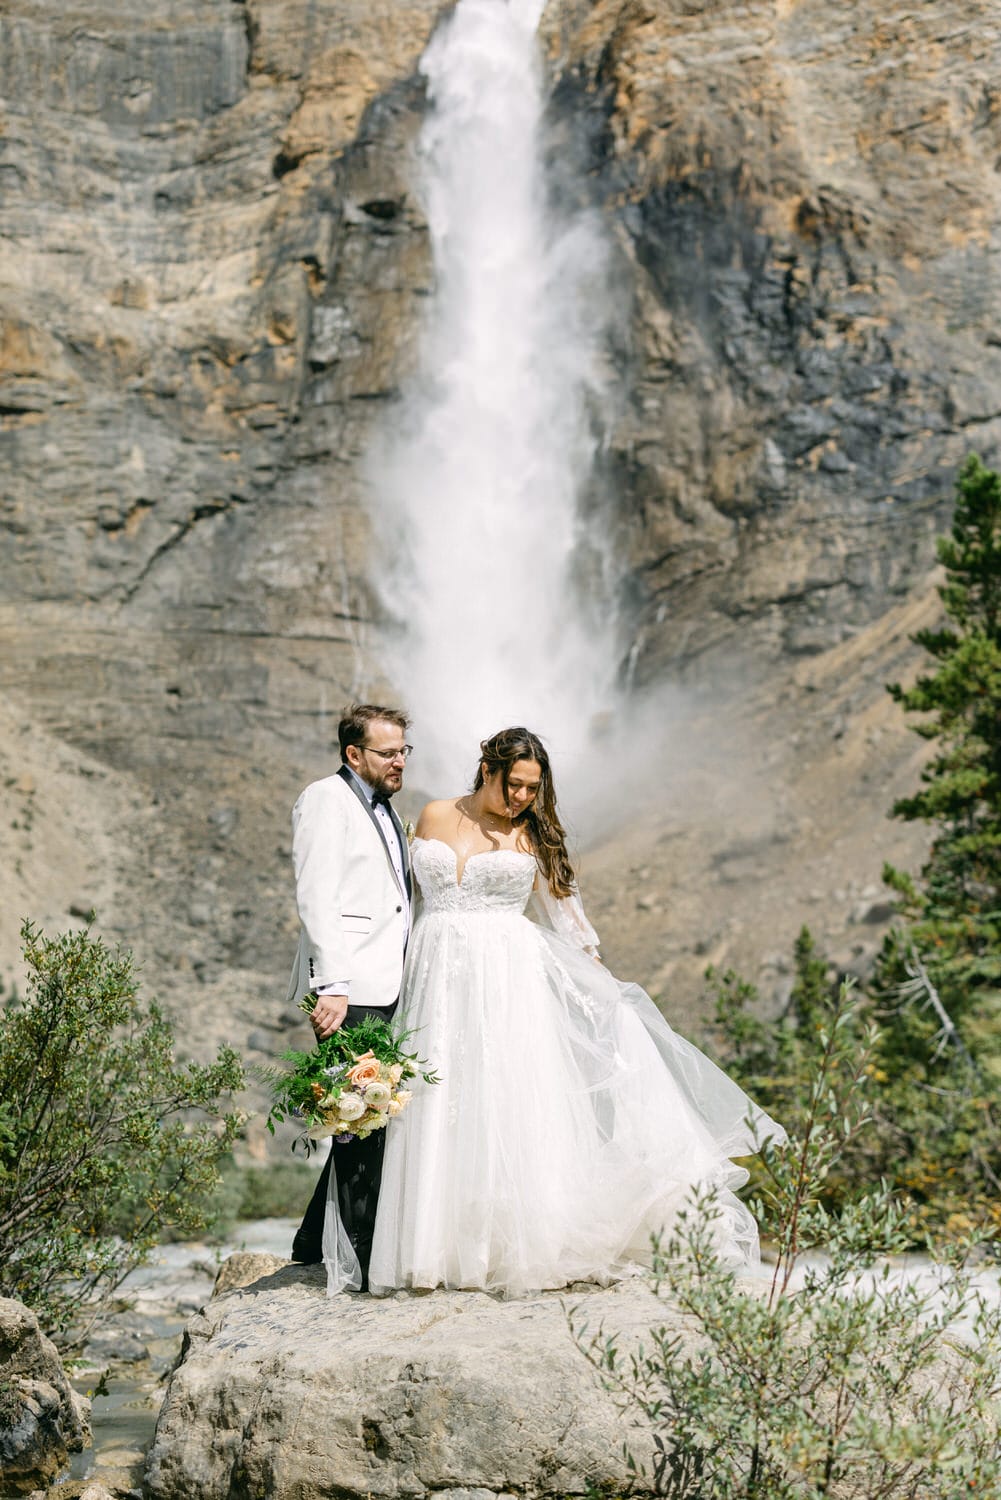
[{"x": 353, "y": 728}]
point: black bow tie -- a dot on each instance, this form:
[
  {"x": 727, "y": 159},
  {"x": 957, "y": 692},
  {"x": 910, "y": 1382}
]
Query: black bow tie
[{"x": 379, "y": 799}]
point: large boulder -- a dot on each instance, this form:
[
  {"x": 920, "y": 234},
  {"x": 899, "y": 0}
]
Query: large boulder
[
  {"x": 42, "y": 1419},
  {"x": 286, "y": 1393}
]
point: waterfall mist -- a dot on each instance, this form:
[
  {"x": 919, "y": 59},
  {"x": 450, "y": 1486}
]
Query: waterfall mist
[{"x": 487, "y": 563}]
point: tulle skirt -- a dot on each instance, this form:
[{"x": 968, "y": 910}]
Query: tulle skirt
[{"x": 570, "y": 1124}]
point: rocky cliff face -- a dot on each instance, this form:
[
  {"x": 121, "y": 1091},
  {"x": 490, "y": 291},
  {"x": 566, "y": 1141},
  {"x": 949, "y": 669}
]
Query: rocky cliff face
[
  {"x": 211, "y": 278},
  {"x": 807, "y": 200},
  {"x": 208, "y": 290}
]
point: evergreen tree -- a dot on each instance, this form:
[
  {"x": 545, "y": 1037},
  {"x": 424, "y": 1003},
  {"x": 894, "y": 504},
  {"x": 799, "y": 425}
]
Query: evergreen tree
[{"x": 939, "y": 976}]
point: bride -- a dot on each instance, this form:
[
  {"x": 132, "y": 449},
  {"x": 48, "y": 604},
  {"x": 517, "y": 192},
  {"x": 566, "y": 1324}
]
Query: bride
[{"x": 571, "y": 1122}]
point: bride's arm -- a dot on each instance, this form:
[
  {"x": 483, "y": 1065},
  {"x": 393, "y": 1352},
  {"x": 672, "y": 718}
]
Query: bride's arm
[{"x": 564, "y": 915}]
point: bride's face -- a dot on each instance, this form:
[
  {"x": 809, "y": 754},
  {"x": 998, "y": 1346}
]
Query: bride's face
[{"x": 523, "y": 784}]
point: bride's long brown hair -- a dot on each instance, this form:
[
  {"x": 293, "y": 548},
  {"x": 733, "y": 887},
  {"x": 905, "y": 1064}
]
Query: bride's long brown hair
[{"x": 540, "y": 818}]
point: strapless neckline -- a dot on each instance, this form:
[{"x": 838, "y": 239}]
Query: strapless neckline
[{"x": 480, "y": 854}]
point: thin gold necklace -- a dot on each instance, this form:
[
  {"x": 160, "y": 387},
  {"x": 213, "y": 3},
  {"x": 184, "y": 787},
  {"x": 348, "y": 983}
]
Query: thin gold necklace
[{"x": 483, "y": 816}]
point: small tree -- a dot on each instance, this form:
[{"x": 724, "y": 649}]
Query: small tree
[
  {"x": 955, "y": 907},
  {"x": 776, "y": 1061},
  {"x": 938, "y": 981},
  {"x": 99, "y": 1148}
]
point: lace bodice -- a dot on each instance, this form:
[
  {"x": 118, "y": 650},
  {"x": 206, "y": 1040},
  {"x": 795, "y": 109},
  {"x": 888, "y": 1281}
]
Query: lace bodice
[{"x": 495, "y": 881}]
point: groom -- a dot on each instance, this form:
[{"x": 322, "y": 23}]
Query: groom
[{"x": 352, "y": 883}]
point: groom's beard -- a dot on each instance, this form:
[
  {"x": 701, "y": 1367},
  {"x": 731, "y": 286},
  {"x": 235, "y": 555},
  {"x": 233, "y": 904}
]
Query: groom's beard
[{"x": 387, "y": 783}]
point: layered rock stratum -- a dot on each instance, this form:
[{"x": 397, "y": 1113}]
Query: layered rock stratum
[{"x": 213, "y": 268}]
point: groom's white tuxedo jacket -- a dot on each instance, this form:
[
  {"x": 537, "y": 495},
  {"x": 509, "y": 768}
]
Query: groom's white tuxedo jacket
[{"x": 353, "y": 908}]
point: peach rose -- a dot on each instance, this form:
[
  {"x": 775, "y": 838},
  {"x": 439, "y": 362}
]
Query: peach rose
[{"x": 365, "y": 1070}]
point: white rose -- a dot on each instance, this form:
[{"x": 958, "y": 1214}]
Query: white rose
[
  {"x": 378, "y": 1095},
  {"x": 403, "y": 1096},
  {"x": 351, "y": 1106},
  {"x": 396, "y": 1072}
]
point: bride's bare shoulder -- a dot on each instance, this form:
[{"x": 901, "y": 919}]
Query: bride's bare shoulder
[{"x": 436, "y": 818}]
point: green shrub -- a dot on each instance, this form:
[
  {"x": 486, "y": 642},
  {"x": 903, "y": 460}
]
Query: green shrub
[
  {"x": 105, "y": 1139},
  {"x": 850, "y": 1384},
  {"x": 279, "y": 1191}
]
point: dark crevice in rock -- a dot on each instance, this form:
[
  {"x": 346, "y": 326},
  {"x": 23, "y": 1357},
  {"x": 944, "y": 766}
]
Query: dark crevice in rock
[
  {"x": 250, "y": 30},
  {"x": 374, "y": 1440},
  {"x": 383, "y": 209},
  {"x": 184, "y": 529},
  {"x": 284, "y": 163},
  {"x": 316, "y": 276}
]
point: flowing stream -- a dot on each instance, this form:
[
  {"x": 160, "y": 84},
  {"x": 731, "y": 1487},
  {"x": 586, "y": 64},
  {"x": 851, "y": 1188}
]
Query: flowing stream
[
  {"x": 486, "y": 560},
  {"x": 143, "y": 1341}
]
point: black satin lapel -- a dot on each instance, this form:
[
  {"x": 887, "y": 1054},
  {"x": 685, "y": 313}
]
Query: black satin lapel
[
  {"x": 401, "y": 835},
  {"x": 352, "y": 783}
]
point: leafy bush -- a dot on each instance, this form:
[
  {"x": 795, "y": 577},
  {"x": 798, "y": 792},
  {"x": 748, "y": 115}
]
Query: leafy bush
[
  {"x": 99, "y": 1148},
  {"x": 849, "y": 1383},
  {"x": 279, "y": 1190}
]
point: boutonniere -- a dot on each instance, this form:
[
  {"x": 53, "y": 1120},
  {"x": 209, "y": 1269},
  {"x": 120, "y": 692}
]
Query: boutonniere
[{"x": 410, "y": 831}]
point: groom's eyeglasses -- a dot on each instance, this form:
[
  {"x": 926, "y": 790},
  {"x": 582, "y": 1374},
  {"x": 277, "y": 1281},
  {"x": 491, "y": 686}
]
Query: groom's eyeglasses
[{"x": 403, "y": 753}]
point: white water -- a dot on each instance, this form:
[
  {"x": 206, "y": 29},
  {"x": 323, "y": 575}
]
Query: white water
[{"x": 504, "y": 615}]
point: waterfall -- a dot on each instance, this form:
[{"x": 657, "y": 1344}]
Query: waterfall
[{"x": 487, "y": 562}]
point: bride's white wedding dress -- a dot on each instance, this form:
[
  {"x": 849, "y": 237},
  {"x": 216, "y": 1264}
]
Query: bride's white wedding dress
[{"x": 570, "y": 1121}]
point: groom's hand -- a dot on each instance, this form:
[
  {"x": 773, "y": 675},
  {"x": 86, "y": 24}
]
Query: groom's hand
[{"x": 328, "y": 1015}]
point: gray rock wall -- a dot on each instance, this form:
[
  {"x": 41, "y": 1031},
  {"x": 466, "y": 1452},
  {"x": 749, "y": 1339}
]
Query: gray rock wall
[
  {"x": 808, "y": 203},
  {"x": 207, "y": 288}
]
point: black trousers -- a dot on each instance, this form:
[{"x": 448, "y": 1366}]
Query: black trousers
[{"x": 359, "y": 1172}]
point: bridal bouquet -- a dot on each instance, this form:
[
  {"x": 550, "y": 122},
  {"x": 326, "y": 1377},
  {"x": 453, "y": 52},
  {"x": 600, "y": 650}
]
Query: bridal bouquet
[{"x": 350, "y": 1084}]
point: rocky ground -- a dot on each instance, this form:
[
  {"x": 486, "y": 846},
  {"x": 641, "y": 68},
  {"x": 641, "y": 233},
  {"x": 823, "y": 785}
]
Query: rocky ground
[{"x": 258, "y": 1336}]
